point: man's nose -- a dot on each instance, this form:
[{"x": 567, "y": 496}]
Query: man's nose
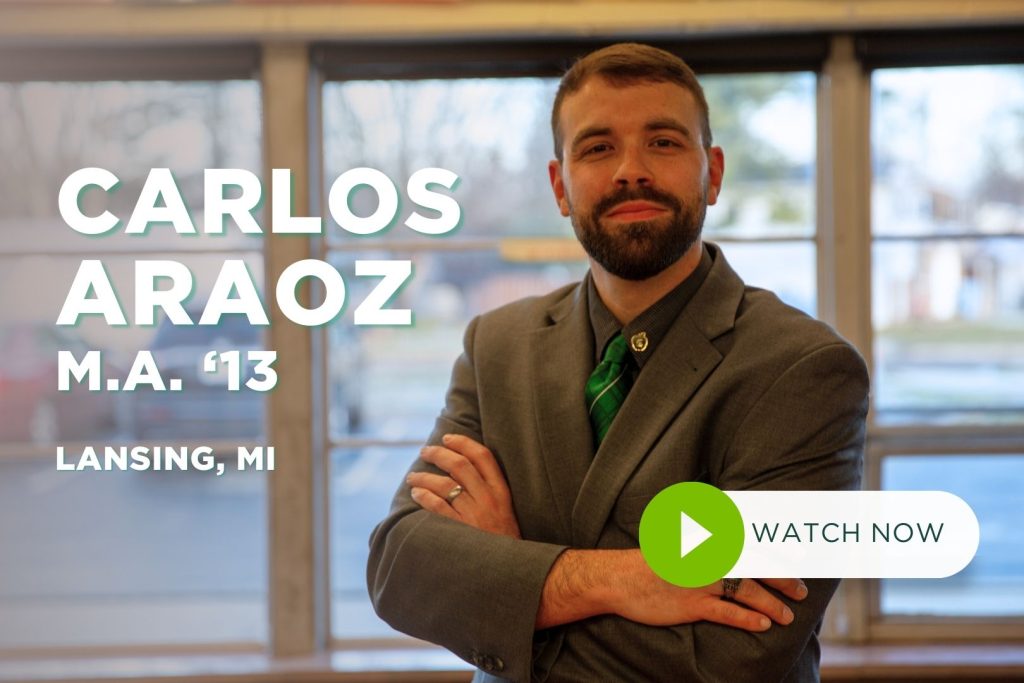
[{"x": 633, "y": 170}]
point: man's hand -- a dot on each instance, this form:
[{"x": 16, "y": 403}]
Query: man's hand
[
  {"x": 650, "y": 600},
  {"x": 484, "y": 502},
  {"x": 585, "y": 583}
]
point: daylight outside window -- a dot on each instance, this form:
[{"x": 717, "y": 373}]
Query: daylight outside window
[
  {"x": 948, "y": 306},
  {"x": 122, "y": 557}
]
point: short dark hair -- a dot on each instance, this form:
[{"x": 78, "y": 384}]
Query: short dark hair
[{"x": 626, "y": 64}]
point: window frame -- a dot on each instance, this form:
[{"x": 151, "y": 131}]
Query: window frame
[
  {"x": 201, "y": 64},
  {"x": 875, "y": 50}
]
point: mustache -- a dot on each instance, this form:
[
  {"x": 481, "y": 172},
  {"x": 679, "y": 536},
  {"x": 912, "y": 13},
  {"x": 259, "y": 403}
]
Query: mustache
[{"x": 641, "y": 193}]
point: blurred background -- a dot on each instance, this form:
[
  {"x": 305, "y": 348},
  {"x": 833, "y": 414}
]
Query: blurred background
[{"x": 875, "y": 179}]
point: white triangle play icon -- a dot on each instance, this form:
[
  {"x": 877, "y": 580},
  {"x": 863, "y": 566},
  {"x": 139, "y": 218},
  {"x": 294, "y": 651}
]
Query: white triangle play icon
[{"x": 691, "y": 534}]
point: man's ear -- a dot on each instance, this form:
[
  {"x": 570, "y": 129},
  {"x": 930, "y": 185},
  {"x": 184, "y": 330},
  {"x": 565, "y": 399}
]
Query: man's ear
[
  {"x": 716, "y": 170},
  {"x": 558, "y": 186}
]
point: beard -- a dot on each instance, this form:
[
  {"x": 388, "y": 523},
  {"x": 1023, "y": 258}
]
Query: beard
[{"x": 641, "y": 249}]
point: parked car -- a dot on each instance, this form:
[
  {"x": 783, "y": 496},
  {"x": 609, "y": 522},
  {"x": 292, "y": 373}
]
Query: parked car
[
  {"x": 204, "y": 408},
  {"x": 32, "y": 410}
]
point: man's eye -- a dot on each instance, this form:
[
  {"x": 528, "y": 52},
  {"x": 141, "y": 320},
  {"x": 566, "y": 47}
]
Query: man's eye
[
  {"x": 598, "y": 148},
  {"x": 665, "y": 142}
]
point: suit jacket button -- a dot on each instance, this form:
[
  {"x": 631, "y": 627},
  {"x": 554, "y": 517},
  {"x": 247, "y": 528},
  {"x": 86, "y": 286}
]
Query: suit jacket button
[
  {"x": 498, "y": 664},
  {"x": 474, "y": 658},
  {"x": 487, "y": 663}
]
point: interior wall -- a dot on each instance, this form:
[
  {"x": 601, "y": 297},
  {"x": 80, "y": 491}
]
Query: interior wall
[{"x": 44, "y": 21}]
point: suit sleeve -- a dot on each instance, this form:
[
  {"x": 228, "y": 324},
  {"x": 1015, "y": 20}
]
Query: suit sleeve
[
  {"x": 470, "y": 591},
  {"x": 806, "y": 432}
]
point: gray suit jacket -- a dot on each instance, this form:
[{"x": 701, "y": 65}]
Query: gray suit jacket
[{"x": 744, "y": 393}]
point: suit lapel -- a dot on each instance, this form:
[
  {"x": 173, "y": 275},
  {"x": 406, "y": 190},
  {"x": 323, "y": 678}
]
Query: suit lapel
[
  {"x": 680, "y": 364},
  {"x": 561, "y": 360}
]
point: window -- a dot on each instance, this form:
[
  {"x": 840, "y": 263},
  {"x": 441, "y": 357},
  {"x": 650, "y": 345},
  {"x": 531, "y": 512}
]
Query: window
[
  {"x": 134, "y": 557},
  {"x": 948, "y": 311},
  {"x": 948, "y": 227},
  {"x": 765, "y": 218},
  {"x": 992, "y": 585}
]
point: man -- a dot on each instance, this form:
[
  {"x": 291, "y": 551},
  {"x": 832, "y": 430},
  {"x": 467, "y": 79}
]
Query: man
[{"x": 514, "y": 540}]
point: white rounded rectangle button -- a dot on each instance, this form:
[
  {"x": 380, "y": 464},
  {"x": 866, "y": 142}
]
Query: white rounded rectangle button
[{"x": 854, "y": 534}]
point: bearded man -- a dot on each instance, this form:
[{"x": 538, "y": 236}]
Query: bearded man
[{"x": 514, "y": 540}]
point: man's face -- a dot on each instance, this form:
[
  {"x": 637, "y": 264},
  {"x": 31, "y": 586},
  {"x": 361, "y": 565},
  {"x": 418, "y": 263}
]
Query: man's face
[{"x": 634, "y": 179}]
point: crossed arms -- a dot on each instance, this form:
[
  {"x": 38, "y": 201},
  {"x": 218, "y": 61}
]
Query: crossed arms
[{"x": 586, "y": 583}]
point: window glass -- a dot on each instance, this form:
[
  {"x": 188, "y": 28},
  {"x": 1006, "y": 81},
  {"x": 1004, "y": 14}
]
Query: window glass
[
  {"x": 363, "y": 480},
  {"x": 765, "y": 123},
  {"x": 947, "y": 150},
  {"x": 128, "y": 128},
  {"x": 130, "y": 558},
  {"x": 786, "y": 268},
  {"x": 123, "y": 557},
  {"x": 389, "y": 382},
  {"x": 948, "y": 221},
  {"x": 494, "y": 133},
  {"x": 993, "y": 583},
  {"x": 949, "y": 321},
  {"x": 34, "y": 411}
]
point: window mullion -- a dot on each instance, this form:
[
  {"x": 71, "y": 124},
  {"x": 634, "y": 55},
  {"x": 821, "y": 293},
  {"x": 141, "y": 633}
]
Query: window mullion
[
  {"x": 296, "y": 583},
  {"x": 844, "y": 250}
]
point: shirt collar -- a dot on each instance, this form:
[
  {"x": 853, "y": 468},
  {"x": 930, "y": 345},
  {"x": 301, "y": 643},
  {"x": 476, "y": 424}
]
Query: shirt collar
[{"x": 645, "y": 331}]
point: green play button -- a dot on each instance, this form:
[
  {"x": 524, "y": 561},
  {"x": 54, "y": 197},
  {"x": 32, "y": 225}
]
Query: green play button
[{"x": 691, "y": 534}]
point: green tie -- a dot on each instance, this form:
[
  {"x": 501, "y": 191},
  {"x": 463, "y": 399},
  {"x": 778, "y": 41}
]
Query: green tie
[{"x": 607, "y": 387}]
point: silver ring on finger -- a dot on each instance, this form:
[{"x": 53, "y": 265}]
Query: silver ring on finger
[
  {"x": 729, "y": 588},
  {"x": 453, "y": 494}
]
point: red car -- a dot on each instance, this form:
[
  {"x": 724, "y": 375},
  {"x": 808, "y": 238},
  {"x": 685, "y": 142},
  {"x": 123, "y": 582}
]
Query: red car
[{"x": 31, "y": 408}]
